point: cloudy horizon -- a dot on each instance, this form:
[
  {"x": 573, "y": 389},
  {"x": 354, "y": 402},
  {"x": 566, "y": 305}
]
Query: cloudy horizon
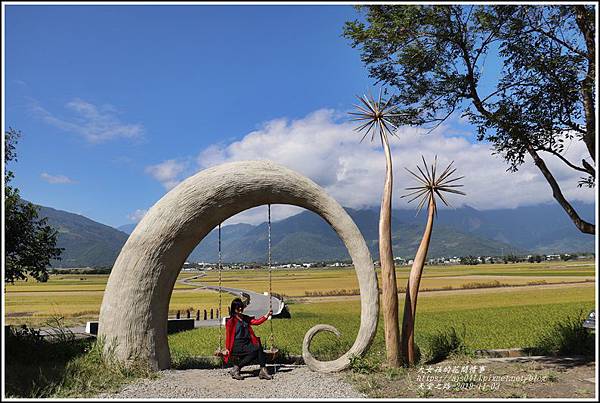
[{"x": 324, "y": 147}]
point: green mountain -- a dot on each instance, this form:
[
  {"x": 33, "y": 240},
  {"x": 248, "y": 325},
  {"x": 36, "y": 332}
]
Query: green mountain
[
  {"x": 85, "y": 242},
  {"x": 543, "y": 228},
  {"x": 457, "y": 232},
  {"x": 306, "y": 237}
]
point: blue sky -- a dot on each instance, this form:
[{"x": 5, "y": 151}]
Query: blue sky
[{"x": 117, "y": 104}]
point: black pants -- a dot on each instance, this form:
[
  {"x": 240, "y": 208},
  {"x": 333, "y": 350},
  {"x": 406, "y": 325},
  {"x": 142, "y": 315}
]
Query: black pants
[{"x": 249, "y": 357}]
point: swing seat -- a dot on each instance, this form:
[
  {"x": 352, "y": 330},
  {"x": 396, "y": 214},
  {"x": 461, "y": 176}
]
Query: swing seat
[{"x": 270, "y": 353}]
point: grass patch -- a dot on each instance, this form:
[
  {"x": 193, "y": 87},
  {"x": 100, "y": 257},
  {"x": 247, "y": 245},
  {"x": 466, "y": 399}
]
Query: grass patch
[
  {"x": 565, "y": 337},
  {"x": 494, "y": 318},
  {"x": 447, "y": 343},
  {"x": 365, "y": 365},
  {"x": 38, "y": 367},
  {"x": 186, "y": 361}
]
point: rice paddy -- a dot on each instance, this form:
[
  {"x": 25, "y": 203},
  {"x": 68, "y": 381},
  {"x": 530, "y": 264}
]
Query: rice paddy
[
  {"x": 504, "y": 315},
  {"x": 493, "y": 318},
  {"x": 297, "y": 282}
]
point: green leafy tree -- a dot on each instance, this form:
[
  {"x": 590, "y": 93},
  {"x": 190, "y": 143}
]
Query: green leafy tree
[
  {"x": 469, "y": 260},
  {"x": 543, "y": 98},
  {"x": 29, "y": 243}
]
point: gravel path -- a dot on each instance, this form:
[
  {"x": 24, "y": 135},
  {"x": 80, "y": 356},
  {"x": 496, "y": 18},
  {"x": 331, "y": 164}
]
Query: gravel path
[{"x": 288, "y": 382}]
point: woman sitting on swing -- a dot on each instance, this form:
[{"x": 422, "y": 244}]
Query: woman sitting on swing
[{"x": 241, "y": 341}]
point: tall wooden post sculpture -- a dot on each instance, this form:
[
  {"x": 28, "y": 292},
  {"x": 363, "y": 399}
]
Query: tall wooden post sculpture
[
  {"x": 428, "y": 188},
  {"x": 376, "y": 117}
]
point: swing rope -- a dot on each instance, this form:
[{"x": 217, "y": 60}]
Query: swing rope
[
  {"x": 272, "y": 350},
  {"x": 220, "y": 349},
  {"x": 272, "y": 338}
]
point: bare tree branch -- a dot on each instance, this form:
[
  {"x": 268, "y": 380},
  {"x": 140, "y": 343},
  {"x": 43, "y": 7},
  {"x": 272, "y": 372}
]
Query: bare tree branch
[
  {"x": 581, "y": 224},
  {"x": 569, "y": 163}
]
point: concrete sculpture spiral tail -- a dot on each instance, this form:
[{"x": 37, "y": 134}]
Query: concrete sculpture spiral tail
[{"x": 134, "y": 311}]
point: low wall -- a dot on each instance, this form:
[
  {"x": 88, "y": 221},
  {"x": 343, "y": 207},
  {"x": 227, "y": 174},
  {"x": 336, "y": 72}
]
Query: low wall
[{"x": 173, "y": 326}]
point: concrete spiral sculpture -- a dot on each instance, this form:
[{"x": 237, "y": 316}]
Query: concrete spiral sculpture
[{"x": 134, "y": 311}]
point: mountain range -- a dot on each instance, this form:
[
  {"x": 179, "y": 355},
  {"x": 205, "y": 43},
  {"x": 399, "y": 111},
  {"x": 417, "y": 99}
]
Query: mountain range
[
  {"x": 458, "y": 232},
  {"x": 85, "y": 242},
  {"x": 307, "y": 237}
]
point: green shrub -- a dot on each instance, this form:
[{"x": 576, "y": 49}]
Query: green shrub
[
  {"x": 364, "y": 365},
  {"x": 95, "y": 372},
  {"x": 25, "y": 344},
  {"x": 34, "y": 363},
  {"x": 445, "y": 344},
  {"x": 566, "y": 337},
  {"x": 62, "y": 366}
]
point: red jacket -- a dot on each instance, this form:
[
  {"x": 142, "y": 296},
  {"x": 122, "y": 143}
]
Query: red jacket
[{"x": 230, "y": 324}]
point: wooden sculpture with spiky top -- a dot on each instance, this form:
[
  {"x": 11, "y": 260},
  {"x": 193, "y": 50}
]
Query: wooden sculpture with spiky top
[
  {"x": 376, "y": 116},
  {"x": 429, "y": 187}
]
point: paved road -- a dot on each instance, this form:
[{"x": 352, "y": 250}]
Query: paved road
[{"x": 258, "y": 305}]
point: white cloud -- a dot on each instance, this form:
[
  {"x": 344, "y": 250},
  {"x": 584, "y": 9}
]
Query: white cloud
[
  {"x": 95, "y": 123},
  {"x": 260, "y": 214},
  {"x": 329, "y": 152},
  {"x": 56, "y": 179},
  {"x": 167, "y": 172},
  {"x": 137, "y": 215}
]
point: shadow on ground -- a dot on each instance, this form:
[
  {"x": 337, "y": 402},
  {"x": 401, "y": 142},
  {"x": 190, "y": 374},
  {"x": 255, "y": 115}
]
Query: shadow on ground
[
  {"x": 207, "y": 362},
  {"x": 35, "y": 365}
]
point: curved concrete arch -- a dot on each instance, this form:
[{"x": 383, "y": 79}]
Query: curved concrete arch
[{"x": 134, "y": 311}]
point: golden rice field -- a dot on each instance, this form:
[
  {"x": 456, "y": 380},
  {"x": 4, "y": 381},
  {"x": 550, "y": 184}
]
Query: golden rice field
[
  {"x": 296, "y": 282},
  {"x": 77, "y": 297}
]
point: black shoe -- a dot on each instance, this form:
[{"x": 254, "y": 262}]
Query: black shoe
[
  {"x": 263, "y": 374},
  {"x": 235, "y": 373}
]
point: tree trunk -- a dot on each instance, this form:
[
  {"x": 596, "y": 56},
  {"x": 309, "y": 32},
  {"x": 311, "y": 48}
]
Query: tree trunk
[
  {"x": 581, "y": 224},
  {"x": 585, "y": 22},
  {"x": 412, "y": 290},
  {"x": 388, "y": 272}
]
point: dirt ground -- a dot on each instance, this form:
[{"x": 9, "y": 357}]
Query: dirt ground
[{"x": 542, "y": 377}]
